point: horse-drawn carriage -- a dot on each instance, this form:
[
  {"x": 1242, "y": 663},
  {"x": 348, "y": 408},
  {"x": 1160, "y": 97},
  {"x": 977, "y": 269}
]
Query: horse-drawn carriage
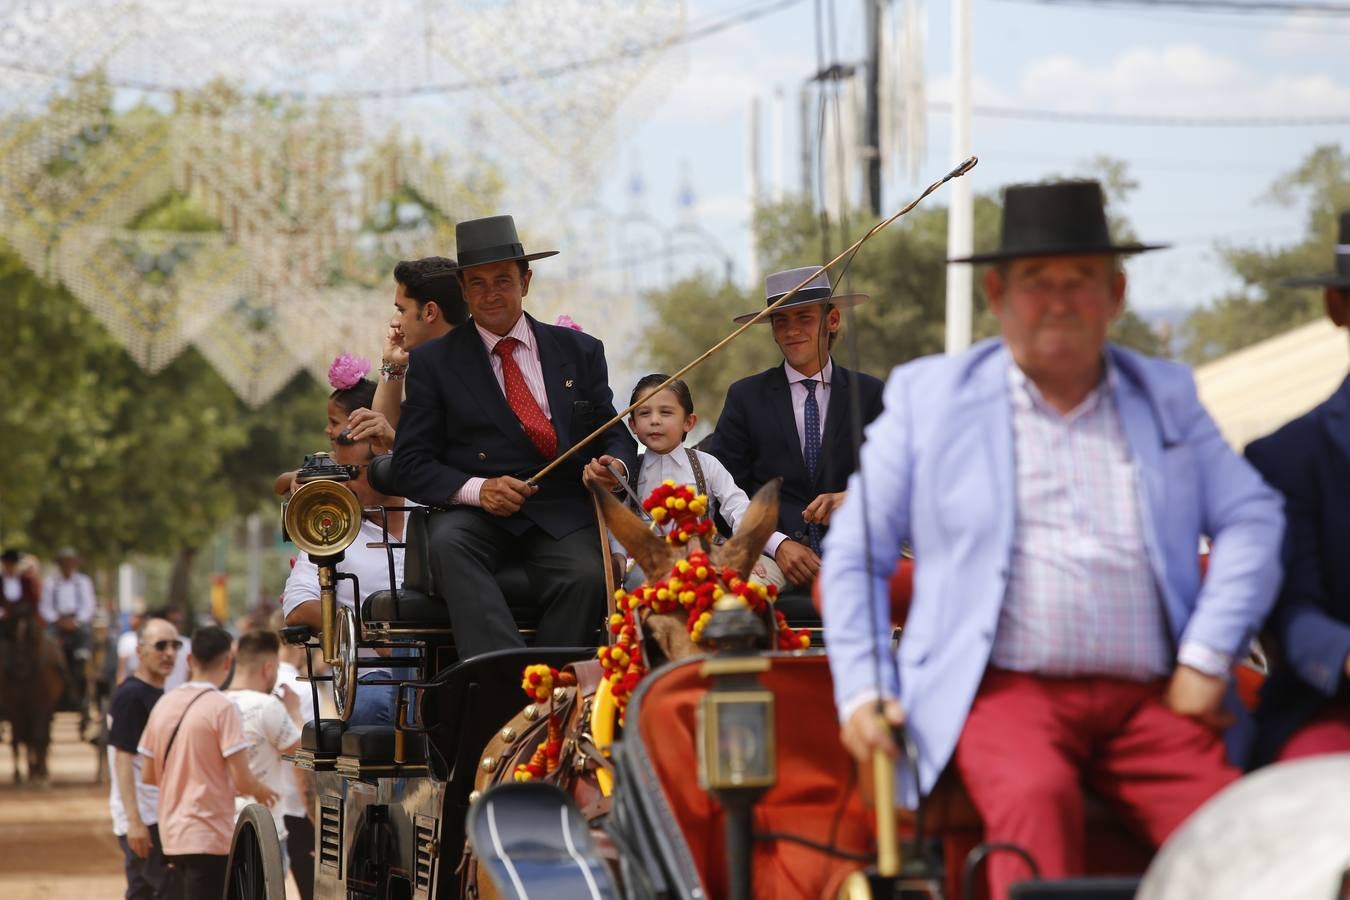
[{"x": 721, "y": 775}]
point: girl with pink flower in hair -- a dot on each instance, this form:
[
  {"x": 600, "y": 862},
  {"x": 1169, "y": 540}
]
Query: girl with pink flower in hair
[
  {"x": 349, "y": 406},
  {"x": 350, "y": 417}
]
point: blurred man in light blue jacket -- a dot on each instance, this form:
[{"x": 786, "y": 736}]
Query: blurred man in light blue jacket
[{"x": 1054, "y": 488}]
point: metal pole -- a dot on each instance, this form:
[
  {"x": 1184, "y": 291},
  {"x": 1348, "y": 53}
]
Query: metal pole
[
  {"x": 752, "y": 186},
  {"x": 872, "y": 125},
  {"x": 960, "y": 216}
]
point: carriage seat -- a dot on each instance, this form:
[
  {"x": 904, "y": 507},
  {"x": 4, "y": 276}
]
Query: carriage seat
[
  {"x": 374, "y": 745},
  {"x": 326, "y": 738}
]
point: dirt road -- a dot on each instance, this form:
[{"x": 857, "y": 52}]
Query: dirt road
[{"x": 58, "y": 843}]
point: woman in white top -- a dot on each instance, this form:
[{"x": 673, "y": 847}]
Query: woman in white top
[{"x": 660, "y": 423}]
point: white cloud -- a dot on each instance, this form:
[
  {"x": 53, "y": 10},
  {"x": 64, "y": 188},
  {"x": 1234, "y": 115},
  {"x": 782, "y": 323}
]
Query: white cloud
[
  {"x": 1176, "y": 80},
  {"x": 1309, "y": 36}
]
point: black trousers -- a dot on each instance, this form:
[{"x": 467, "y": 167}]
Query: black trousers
[
  {"x": 145, "y": 877},
  {"x": 300, "y": 850},
  {"x": 196, "y": 876},
  {"x": 566, "y": 576}
]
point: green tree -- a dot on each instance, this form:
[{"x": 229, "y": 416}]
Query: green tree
[{"x": 1261, "y": 308}]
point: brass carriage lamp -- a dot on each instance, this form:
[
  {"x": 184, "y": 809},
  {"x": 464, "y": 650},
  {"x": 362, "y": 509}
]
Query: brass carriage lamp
[
  {"x": 323, "y": 518},
  {"x": 737, "y": 759}
]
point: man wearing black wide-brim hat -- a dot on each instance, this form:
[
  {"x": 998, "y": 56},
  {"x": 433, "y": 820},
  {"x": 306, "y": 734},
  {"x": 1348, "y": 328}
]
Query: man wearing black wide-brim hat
[
  {"x": 488, "y": 405},
  {"x": 1305, "y": 706},
  {"x": 1054, "y": 487}
]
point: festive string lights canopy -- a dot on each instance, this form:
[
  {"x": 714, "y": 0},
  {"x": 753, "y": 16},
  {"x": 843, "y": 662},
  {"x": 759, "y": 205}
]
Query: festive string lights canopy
[{"x": 241, "y": 177}]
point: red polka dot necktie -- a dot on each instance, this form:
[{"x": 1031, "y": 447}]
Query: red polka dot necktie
[{"x": 537, "y": 426}]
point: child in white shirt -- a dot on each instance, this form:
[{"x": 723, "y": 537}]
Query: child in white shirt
[{"x": 660, "y": 423}]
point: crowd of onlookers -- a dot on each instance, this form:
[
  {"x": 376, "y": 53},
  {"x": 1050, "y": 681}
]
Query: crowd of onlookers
[{"x": 188, "y": 751}]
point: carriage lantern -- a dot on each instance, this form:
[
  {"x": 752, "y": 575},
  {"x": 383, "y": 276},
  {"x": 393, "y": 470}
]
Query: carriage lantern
[
  {"x": 323, "y": 519},
  {"x": 736, "y": 758}
]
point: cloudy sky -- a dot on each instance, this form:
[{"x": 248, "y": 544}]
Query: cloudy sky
[{"x": 1199, "y": 186}]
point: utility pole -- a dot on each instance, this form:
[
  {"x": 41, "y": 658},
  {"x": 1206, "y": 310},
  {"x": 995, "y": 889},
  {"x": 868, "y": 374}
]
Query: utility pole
[
  {"x": 961, "y": 213},
  {"x": 872, "y": 122}
]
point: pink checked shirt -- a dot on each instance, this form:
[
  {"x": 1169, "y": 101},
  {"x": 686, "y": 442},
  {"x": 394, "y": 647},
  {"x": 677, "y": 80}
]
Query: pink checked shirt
[
  {"x": 526, "y": 356},
  {"x": 1081, "y": 597}
]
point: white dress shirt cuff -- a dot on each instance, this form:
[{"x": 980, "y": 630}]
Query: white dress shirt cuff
[
  {"x": 1203, "y": 659},
  {"x": 855, "y": 703},
  {"x": 771, "y": 548},
  {"x": 469, "y": 493}
]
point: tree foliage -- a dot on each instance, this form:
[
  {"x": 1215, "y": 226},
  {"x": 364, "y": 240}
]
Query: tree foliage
[
  {"x": 112, "y": 460},
  {"x": 1260, "y": 307}
]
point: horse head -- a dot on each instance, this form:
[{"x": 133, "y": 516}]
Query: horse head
[{"x": 686, "y": 571}]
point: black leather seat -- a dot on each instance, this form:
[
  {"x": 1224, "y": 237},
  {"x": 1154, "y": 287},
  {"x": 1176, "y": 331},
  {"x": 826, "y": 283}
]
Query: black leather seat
[
  {"x": 373, "y": 745},
  {"x": 326, "y": 738}
]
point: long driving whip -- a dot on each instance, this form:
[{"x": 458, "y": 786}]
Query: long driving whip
[{"x": 957, "y": 172}]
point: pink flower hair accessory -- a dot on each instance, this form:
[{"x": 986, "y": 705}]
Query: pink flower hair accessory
[
  {"x": 566, "y": 321},
  {"x": 347, "y": 371}
]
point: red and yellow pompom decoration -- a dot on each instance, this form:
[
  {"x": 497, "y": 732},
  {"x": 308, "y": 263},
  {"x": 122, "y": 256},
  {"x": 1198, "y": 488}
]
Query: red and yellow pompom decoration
[
  {"x": 538, "y": 682},
  {"x": 679, "y": 512},
  {"x": 693, "y": 586}
]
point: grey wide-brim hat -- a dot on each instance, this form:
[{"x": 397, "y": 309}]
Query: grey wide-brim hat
[
  {"x": 816, "y": 292},
  {"x": 481, "y": 242},
  {"x": 1065, "y": 218},
  {"x": 1337, "y": 279}
]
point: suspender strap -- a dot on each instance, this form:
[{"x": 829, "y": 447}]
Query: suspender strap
[{"x": 700, "y": 483}]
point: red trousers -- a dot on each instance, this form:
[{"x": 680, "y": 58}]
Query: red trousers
[
  {"x": 1327, "y": 732},
  {"x": 1030, "y": 746}
]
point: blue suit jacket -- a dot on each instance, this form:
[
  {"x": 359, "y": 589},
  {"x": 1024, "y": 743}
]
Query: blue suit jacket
[
  {"x": 757, "y": 440},
  {"x": 1308, "y": 461},
  {"x": 938, "y": 472},
  {"x": 456, "y": 424}
]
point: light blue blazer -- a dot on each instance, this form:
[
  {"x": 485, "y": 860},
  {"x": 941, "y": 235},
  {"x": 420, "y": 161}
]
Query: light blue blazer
[{"x": 938, "y": 474}]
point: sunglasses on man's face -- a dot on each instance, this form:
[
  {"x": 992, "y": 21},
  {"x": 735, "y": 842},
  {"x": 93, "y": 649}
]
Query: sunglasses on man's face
[{"x": 162, "y": 646}]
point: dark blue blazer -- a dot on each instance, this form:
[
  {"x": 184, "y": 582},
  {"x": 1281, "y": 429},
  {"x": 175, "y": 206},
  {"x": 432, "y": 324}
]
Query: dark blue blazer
[
  {"x": 756, "y": 439},
  {"x": 456, "y": 424},
  {"x": 1308, "y": 461}
]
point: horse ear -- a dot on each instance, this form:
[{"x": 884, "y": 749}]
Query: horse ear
[
  {"x": 752, "y": 532},
  {"x": 651, "y": 553}
]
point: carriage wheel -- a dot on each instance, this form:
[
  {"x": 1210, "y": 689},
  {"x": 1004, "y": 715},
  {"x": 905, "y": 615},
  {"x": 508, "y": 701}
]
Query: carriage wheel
[
  {"x": 254, "y": 870},
  {"x": 345, "y": 673}
]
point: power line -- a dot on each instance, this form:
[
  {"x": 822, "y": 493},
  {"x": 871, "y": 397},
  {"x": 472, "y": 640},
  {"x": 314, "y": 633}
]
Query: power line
[
  {"x": 637, "y": 51},
  {"x": 1222, "y": 7},
  {"x": 1148, "y": 119}
]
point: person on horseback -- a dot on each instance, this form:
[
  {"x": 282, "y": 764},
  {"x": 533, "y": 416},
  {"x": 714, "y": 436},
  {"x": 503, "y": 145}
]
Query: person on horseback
[
  {"x": 1054, "y": 487},
  {"x": 68, "y": 605},
  {"x": 19, "y": 599}
]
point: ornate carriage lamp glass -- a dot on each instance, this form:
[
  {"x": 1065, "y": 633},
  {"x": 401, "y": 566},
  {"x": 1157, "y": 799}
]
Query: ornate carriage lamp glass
[{"x": 323, "y": 519}]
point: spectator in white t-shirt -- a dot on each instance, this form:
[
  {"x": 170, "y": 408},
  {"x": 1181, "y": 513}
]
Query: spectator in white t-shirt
[
  {"x": 134, "y": 804},
  {"x": 269, "y": 725},
  {"x": 297, "y": 799}
]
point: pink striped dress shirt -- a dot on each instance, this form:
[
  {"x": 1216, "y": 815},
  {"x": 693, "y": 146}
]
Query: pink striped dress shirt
[{"x": 526, "y": 356}]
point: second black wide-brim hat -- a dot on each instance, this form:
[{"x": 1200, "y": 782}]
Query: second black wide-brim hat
[
  {"x": 481, "y": 242},
  {"x": 1337, "y": 279},
  {"x": 1063, "y": 218}
]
